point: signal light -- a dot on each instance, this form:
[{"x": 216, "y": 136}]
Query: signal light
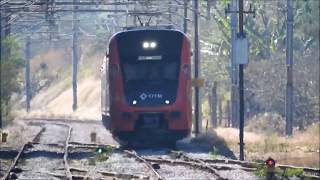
[
  {"x": 271, "y": 163},
  {"x": 100, "y": 150}
]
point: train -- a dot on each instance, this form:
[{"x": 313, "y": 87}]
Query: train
[{"x": 146, "y": 85}]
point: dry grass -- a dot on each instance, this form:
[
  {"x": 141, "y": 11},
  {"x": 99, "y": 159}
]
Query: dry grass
[
  {"x": 57, "y": 101},
  {"x": 302, "y": 149},
  {"x": 266, "y": 123},
  {"x": 210, "y": 138},
  {"x": 56, "y": 60}
]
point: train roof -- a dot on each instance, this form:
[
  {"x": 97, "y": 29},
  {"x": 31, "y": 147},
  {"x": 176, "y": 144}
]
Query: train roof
[
  {"x": 163, "y": 28},
  {"x": 159, "y": 27},
  {"x": 149, "y": 28}
]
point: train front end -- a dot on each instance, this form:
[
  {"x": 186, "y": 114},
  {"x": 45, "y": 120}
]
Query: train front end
[{"x": 149, "y": 85}]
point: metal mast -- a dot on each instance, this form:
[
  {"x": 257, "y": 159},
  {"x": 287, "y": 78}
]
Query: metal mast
[
  {"x": 234, "y": 67},
  {"x": 197, "y": 108},
  {"x": 289, "y": 63},
  {"x": 27, "y": 72},
  {"x": 74, "y": 56}
]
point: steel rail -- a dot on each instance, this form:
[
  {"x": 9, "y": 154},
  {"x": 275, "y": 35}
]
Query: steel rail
[
  {"x": 186, "y": 163},
  {"x": 23, "y": 148},
  {"x": 245, "y": 165},
  {"x": 65, "y": 156},
  {"x": 141, "y": 159},
  {"x": 61, "y": 120}
]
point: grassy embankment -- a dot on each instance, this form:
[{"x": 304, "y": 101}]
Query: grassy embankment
[{"x": 302, "y": 149}]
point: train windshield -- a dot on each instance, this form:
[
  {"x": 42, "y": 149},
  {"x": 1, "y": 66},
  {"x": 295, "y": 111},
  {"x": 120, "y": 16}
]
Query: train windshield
[
  {"x": 149, "y": 55},
  {"x": 150, "y": 71},
  {"x": 150, "y": 61}
]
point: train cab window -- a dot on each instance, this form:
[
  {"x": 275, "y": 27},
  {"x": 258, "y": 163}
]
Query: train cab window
[
  {"x": 170, "y": 70},
  {"x": 147, "y": 71}
]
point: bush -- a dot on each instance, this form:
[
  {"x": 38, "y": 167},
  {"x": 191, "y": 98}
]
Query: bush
[{"x": 267, "y": 123}]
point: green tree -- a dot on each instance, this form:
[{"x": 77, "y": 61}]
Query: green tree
[
  {"x": 265, "y": 75},
  {"x": 11, "y": 64}
]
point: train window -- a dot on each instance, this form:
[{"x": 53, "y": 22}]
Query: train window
[
  {"x": 130, "y": 72},
  {"x": 170, "y": 70},
  {"x": 145, "y": 71}
]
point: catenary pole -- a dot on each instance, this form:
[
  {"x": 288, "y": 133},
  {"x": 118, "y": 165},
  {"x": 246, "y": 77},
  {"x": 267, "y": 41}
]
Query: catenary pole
[
  {"x": 243, "y": 59},
  {"x": 234, "y": 68},
  {"x": 74, "y": 57},
  {"x": 241, "y": 94},
  {"x": 289, "y": 63},
  {"x": 197, "y": 108},
  {"x": 0, "y": 68},
  {"x": 27, "y": 72},
  {"x": 185, "y": 16}
]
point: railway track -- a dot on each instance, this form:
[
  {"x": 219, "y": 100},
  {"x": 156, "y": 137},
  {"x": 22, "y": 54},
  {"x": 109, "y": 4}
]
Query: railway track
[
  {"x": 13, "y": 169},
  {"x": 155, "y": 164},
  {"x": 70, "y": 159},
  {"x": 20, "y": 152}
]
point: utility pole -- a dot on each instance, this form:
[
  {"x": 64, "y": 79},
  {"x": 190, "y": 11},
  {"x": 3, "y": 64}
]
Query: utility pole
[
  {"x": 234, "y": 68},
  {"x": 74, "y": 55},
  {"x": 170, "y": 11},
  {"x": 209, "y": 2},
  {"x": 214, "y": 100},
  {"x": 185, "y": 16},
  {"x": 197, "y": 108},
  {"x": 228, "y": 114},
  {"x": 0, "y": 68},
  {"x": 27, "y": 73},
  {"x": 241, "y": 57},
  {"x": 241, "y": 100},
  {"x": 289, "y": 63}
]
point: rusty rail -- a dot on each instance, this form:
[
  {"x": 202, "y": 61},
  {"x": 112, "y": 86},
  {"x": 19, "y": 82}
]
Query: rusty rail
[
  {"x": 141, "y": 159},
  {"x": 65, "y": 156},
  {"x": 24, "y": 146},
  {"x": 186, "y": 163}
]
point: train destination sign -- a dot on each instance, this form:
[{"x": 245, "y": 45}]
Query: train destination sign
[{"x": 148, "y": 58}]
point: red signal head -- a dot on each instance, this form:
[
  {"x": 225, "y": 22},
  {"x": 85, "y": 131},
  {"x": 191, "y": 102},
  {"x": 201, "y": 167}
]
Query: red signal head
[{"x": 270, "y": 162}]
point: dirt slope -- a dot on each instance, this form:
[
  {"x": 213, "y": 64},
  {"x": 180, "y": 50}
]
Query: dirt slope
[{"x": 57, "y": 100}]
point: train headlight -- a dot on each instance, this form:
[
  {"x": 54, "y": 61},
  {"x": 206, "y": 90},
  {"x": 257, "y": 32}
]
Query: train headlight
[
  {"x": 149, "y": 44},
  {"x": 153, "y": 45},
  {"x": 167, "y": 101},
  {"x": 145, "y": 45},
  {"x": 134, "y": 102}
]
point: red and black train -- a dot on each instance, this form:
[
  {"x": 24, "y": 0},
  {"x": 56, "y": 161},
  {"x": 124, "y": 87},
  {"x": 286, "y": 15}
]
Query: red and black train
[{"x": 146, "y": 85}]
